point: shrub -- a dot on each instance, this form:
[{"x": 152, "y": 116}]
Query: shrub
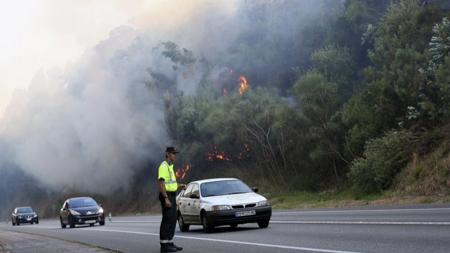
[{"x": 383, "y": 158}]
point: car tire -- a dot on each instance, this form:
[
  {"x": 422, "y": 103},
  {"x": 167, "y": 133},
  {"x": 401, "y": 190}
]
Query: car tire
[
  {"x": 207, "y": 227},
  {"x": 13, "y": 223},
  {"x": 62, "y": 224},
  {"x": 71, "y": 222},
  {"x": 37, "y": 221},
  {"x": 263, "y": 223},
  {"x": 17, "y": 223},
  {"x": 183, "y": 227},
  {"x": 102, "y": 223}
]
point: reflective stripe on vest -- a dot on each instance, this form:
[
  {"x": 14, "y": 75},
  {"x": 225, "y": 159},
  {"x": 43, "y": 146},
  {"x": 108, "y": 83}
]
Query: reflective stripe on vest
[{"x": 171, "y": 185}]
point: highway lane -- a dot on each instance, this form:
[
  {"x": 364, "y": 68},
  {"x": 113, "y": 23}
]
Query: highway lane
[{"x": 405, "y": 229}]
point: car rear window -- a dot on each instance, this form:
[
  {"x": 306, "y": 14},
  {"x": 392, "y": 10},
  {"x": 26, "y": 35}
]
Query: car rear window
[{"x": 224, "y": 187}]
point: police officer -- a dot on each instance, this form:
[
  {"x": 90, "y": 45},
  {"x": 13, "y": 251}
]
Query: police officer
[{"x": 168, "y": 187}]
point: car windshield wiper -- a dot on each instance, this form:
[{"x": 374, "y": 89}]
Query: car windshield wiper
[
  {"x": 212, "y": 195},
  {"x": 235, "y": 193}
]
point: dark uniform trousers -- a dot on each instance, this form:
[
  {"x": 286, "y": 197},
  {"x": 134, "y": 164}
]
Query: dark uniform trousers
[{"x": 169, "y": 218}]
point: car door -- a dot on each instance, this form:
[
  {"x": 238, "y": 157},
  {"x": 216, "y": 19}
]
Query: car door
[
  {"x": 195, "y": 204},
  {"x": 183, "y": 202}
]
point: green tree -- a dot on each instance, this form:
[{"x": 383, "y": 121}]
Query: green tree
[{"x": 336, "y": 65}]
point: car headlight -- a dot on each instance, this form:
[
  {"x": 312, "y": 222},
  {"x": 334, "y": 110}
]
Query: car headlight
[
  {"x": 73, "y": 212},
  {"x": 34, "y": 215},
  {"x": 221, "y": 207},
  {"x": 262, "y": 203},
  {"x": 100, "y": 210}
]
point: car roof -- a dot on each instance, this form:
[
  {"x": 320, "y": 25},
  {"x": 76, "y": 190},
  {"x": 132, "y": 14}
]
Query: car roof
[{"x": 212, "y": 180}]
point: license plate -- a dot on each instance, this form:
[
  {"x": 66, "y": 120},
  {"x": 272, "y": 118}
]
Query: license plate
[
  {"x": 90, "y": 221},
  {"x": 28, "y": 219},
  {"x": 245, "y": 213}
]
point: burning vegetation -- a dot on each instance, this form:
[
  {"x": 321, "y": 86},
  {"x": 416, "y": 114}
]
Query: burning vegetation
[
  {"x": 181, "y": 173},
  {"x": 243, "y": 85},
  {"x": 218, "y": 155}
]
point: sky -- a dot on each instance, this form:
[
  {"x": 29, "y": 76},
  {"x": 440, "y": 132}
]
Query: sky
[
  {"x": 45, "y": 34},
  {"x": 78, "y": 95}
]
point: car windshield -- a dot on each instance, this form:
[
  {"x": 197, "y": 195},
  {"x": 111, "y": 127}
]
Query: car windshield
[
  {"x": 223, "y": 188},
  {"x": 25, "y": 210},
  {"x": 83, "y": 202}
]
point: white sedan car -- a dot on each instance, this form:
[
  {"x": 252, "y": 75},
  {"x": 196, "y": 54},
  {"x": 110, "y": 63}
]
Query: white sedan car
[{"x": 221, "y": 201}]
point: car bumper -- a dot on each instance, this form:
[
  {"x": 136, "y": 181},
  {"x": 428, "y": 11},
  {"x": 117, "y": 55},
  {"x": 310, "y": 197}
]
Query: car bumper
[
  {"x": 87, "y": 219},
  {"x": 228, "y": 217}
]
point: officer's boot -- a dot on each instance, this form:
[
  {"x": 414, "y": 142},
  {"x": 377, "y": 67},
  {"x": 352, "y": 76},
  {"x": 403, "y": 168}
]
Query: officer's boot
[
  {"x": 178, "y": 248},
  {"x": 165, "y": 247}
]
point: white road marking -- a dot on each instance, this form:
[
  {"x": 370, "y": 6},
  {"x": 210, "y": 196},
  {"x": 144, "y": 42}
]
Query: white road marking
[
  {"x": 363, "y": 210},
  {"x": 443, "y": 223},
  {"x": 229, "y": 241},
  {"x": 123, "y": 221},
  {"x": 433, "y": 223}
]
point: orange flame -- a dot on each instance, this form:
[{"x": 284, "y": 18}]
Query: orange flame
[
  {"x": 216, "y": 155},
  {"x": 182, "y": 172},
  {"x": 243, "y": 85}
]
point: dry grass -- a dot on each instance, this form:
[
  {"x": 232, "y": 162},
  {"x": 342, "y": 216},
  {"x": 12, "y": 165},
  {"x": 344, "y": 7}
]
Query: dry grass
[{"x": 428, "y": 175}]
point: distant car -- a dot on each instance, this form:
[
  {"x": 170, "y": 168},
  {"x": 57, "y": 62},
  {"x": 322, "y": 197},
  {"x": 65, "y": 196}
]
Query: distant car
[
  {"x": 221, "y": 201},
  {"x": 24, "y": 215},
  {"x": 82, "y": 210}
]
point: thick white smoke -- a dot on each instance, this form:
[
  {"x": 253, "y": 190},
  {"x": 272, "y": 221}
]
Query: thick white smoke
[{"x": 87, "y": 126}]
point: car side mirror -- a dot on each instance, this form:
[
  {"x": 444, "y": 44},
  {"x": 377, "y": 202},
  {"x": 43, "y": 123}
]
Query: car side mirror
[
  {"x": 255, "y": 189},
  {"x": 194, "y": 196}
]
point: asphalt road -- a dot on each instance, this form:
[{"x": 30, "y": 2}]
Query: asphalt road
[{"x": 399, "y": 229}]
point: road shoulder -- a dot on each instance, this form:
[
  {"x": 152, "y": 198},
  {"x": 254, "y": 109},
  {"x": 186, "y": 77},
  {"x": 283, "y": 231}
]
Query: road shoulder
[{"x": 14, "y": 242}]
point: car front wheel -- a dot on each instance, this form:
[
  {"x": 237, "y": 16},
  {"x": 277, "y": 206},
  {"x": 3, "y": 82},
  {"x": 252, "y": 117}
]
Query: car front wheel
[
  {"x": 263, "y": 223},
  {"x": 62, "y": 223},
  {"x": 183, "y": 227},
  {"x": 207, "y": 227},
  {"x": 71, "y": 222}
]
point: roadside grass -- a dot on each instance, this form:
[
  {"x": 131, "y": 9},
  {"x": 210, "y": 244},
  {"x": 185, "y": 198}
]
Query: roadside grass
[{"x": 300, "y": 200}]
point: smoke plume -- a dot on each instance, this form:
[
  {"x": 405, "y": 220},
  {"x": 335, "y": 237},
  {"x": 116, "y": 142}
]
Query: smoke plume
[{"x": 90, "y": 125}]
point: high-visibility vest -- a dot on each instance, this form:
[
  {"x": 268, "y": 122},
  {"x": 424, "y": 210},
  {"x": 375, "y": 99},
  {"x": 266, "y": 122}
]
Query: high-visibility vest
[{"x": 165, "y": 172}]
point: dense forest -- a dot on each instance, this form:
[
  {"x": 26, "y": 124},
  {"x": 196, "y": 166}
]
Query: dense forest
[
  {"x": 346, "y": 103},
  {"x": 353, "y": 97}
]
